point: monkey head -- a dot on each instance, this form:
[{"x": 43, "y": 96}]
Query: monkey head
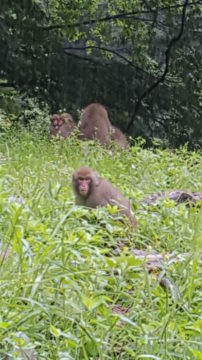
[
  {"x": 66, "y": 118},
  {"x": 56, "y": 121},
  {"x": 83, "y": 181},
  {"x": 93, "y": 191}
]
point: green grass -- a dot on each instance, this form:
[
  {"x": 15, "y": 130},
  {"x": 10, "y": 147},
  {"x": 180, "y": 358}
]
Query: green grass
[{"x": 67, "y": 271}]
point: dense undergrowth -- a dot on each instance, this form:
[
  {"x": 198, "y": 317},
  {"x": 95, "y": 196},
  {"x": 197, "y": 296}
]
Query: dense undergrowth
[{"x": 70, "y": 282}]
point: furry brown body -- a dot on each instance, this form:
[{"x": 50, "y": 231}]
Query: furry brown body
[
  {"x": 61, "y": 125},
  {"x": 92, "y": 191},
  {"x": 95, "y": 124},
  {"x": 119, "y": 137}
]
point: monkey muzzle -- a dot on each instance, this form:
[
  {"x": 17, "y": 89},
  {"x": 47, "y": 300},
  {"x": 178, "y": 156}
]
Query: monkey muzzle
[
  {"x": 83, "y": 187},
  {"x": 83, "y": 190}
]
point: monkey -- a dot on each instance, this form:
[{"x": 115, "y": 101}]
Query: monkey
[
  {"x": 119, "y": 137},
  {"x": 56, "y": 122},
  {"x": 92, "y": 191},
  {"x": 62, "y": 125},
  {"x": 95, "y": 124},
  {"x": 68, "y": 125},
  {"x": 66, "y": 118}
]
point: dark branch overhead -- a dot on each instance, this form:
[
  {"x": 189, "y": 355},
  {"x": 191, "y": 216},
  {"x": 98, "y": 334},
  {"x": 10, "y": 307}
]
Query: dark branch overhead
[
  {"x": 161, "y": 79},
  {"x": 70, "y": 50},
  {"x": 116, "y": 16}
]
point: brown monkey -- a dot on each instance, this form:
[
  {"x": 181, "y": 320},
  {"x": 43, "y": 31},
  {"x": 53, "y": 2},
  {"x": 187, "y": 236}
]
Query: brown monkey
[
  {"x": 62, "y": 125},
  {"x": 68, "y": 125},
  {"x": 95, "y": 124},
  {"x": 55, "y": 124},
  {"x": 92, "y": 191},
  {"x": 119, "y": 137}
]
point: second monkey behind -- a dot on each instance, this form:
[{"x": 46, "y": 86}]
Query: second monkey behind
[{"x": 95, "y": 125}]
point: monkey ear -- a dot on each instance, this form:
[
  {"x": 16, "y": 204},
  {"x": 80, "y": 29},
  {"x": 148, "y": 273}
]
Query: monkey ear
[{"x": 96, "y": 178}]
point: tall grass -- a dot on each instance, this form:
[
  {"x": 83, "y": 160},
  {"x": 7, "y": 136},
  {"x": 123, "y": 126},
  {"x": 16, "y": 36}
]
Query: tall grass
[{"x": 70, "y": 282}]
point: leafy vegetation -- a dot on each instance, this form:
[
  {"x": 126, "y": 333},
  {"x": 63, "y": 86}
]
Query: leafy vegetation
[
  {"x": 70, "y": 282},
  {"x": 70, "y": 286},
  {"x": 141, "y": 59}
]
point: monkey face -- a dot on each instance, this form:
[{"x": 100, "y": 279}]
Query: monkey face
[
  {"x": 84, "y": 180},
  {"x": 56, "y": 121},
  {"x": 84, "y": 185}
]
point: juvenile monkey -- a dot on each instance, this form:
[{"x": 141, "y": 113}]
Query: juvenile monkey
[
  {"x": 92, "y": 191},
  {"x": 68, "y": 125},
  {"x": 119, "y": 137},
  {"x": 55, "y": 124},
  {"x": 95, "y": 124},
  {"x": 62, "y": 125}
]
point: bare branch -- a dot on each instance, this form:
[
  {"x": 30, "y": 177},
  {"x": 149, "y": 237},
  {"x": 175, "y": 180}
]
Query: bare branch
[
  {"x": 114, "y": 52},
  {"x": 102, "y": 49},
  {"x": 83, "y": 58},
  {"x": 172, "y": 42}
]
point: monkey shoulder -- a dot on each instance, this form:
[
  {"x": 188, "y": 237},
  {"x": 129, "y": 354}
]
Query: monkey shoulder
[{"x": 110, "y": 195}]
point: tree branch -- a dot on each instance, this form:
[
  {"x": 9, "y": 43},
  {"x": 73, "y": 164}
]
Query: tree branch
[
  {"x": 114, "y": 17},
  {"x": 83, "y": 58},
  {"x": 114, "y": 52},
  {"x": 172, "y": 42}
]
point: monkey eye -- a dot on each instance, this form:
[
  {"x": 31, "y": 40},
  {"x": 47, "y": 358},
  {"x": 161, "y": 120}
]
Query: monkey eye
[{"x": 84, "y": 179}]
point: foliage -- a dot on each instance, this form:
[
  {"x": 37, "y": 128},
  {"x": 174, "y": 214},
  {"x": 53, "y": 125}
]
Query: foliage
[
  {"x": 18, "y": 111},
  {"x": 68, "y": 54},
  {"x": 69, "y": 268}
]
